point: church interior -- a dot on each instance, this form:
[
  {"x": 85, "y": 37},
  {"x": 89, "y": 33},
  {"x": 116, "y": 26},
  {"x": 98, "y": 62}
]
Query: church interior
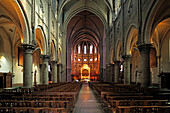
[{"x": 84, "y": 56}]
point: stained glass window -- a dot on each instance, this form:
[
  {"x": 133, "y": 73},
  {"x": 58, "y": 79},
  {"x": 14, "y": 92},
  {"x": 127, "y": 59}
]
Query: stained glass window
[
  {"x": 91, "y": 49},
  {"x": 78, "y": 49},
  {"x": 85, "y": 49}
]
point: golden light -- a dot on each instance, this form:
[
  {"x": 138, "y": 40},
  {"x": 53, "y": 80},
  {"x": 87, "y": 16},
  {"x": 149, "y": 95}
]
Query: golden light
[
  {"x": 130, "y": 51},
  {"x": 3, "y": 59},
  {"x": 85, "y": 66},
  {"x": 41, "y": 51},
  {"x": 151, "y": 40},
  {"x": 22, "y": 40}
]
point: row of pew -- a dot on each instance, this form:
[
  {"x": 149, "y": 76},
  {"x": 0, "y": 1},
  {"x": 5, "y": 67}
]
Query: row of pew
[
  {"x": 52, "y": 98},
  {"x": 124, "y": 98}
]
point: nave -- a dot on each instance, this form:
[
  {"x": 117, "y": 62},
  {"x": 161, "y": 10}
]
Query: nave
[
  {"x": 87, "y": 102},
  {"x": 78, "y": 97}
]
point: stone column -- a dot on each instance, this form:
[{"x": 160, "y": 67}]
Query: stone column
[
  {"x": 59, "y": 72},
  {"x": 126, "y": 68},
  {"x": 68, "y": 62},
  {"x": 55, "y": 71},
  {"x": 63, "y": 59},
  {"x": 112, "y": 73},
  {"x": 27, "y": 65},
  {"x": 145, "y": 64},
  {"x": 116, "y": 71},
  {"x": 44, "y": 69},
  {"x": 109, "y": 73}
]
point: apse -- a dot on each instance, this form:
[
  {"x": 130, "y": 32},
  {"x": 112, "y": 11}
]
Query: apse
[{"x": 85, "y": 34}]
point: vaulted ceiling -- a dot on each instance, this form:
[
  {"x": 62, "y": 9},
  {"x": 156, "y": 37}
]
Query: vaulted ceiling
[
  {"x": 85, "y": 26},
  {"x": 101, "y": 8}
]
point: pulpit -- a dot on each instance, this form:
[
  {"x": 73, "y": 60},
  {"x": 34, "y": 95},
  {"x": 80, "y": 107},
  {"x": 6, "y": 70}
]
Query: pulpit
[{"x": 5, "y": 80}]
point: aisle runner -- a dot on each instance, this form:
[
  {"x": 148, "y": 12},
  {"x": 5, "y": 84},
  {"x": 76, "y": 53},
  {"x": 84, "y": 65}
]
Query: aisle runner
[{"x": 86, "y": 102}]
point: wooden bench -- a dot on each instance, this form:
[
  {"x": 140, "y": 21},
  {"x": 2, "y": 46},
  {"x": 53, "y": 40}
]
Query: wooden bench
[
  {"x": 41, "y": 98},
  {"x": 144, "y": 109},
  {"x": 56, "y": 97},
  {"x": 113, "y": 104},
  {"x": 52, "y": 104},
  {"x": 32, "y": 109}
]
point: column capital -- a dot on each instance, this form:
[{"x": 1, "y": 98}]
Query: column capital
[
  {"x": 126, "y": 56},
  {"x": 28, "y": 46},
  {"x": 60, "y": 64},
  {"x": 54, "y": 61},
  {"x": 116, "y": 61},
  {"x": 144, "y": 47},
  {"x": 45, "y": 57}
]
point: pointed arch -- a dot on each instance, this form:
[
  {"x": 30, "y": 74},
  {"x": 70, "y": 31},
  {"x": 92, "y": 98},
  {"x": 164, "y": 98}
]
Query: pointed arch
[
  {"x": 16, "y": 12},
  {"x": 81, "y": 9},
  {"x": 131, "y": 39},
  {"x": 158, "y": 11},
  {"x": 41, "y": 39}
]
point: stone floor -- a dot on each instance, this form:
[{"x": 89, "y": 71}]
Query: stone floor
[{"x": 87, "y": 102}]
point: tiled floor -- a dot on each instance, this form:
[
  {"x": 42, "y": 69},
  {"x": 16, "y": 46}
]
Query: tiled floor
[{"x": 86, "y": 102}]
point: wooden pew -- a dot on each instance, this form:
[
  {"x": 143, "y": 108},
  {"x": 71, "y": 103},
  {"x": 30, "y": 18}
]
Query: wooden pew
[
  {"x": 144, "y": 109},
  {"x": 32, "y": 110},
  {"x": 52, "y": 104},
  {"x": 113, "y": 104},
  {"x": 44, "y": 97},
  {"x": 105, "y": 94}
]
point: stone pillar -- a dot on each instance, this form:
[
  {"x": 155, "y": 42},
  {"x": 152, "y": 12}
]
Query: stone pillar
[
  {"x": 126, "y": 68},
  {"x": 63, "y": 59},
  {"x": 59, "y": 72},
  {"x": 116, "y": 71},
  {"x": 27, "y": 65},
  {"x": 63, "y": 73},
  {"x": 55, "y": 71},
  {"x": 68, "y": 62},
  {"x": 109, "y": 72},
  {"x": 112, "y": 73},
  {"x": 145, "y": 64},
  {"x": 44, "y": 69}
]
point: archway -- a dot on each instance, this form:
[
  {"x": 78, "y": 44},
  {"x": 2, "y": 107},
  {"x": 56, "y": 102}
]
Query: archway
[
  {"x": 85, "y": 38},
  {"x": 14, "y": 32},
  {"x": 160, "y": 53},
  {"x": 157, "y": 32},
  {"x": 133, "y": 51},
  {"x": 40, "y": 49}
]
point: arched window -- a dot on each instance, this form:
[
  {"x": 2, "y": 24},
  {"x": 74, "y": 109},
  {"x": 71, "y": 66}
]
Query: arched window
[
  {"x": 85, "y": 49},
  {"x": 95, "y": 50},
  {"x": 79, "y": 49},
  {"x": 91, "y": 49}
]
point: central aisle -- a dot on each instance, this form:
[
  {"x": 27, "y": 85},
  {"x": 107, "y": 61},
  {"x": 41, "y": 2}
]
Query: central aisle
[{"x": 86, "y": 102}]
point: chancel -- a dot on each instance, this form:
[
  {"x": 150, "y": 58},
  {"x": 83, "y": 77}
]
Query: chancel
[{"x": 84, "y": 56}]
